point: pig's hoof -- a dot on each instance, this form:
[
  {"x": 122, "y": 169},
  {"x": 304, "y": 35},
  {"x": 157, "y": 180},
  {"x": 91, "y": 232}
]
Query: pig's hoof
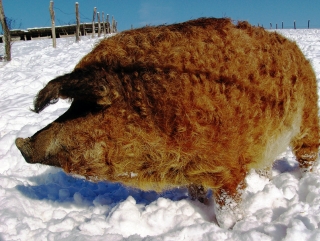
[{"x": 228, "y": 215}]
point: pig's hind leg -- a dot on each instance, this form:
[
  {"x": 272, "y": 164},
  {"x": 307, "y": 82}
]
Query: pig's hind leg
[{"x": 305, "y": 144}]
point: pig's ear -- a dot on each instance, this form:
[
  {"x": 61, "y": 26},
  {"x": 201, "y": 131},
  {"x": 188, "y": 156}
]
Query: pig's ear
[
  {"x": 91, "y": 85},
  {"x": 48, "y": 95}
]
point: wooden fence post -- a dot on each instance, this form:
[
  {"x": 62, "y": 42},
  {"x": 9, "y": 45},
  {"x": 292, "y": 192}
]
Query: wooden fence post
[
  {"x": 108, "y": 24},
  {"x": 294, "y": 24},
  {"x": 112, "y": 25},
  {"x": 84, "y": 29},
  {"x": 276, "y": 26},
  {"x": 99, "y": 24},
  {"x": 78, "y": 23},
  {"x": 6, "y": 33},
  {"x": 93, "y": 19},
  {"x": 308, "y": 24},
  {"x": 53, "y": 29},
  {"x": 104, "y": 25}
]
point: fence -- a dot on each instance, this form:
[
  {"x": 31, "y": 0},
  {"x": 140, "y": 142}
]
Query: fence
[
  {"x": 86, "y": 29},
  {"x": 61, "y": 32},
  {"x": 293, "y": 25}
]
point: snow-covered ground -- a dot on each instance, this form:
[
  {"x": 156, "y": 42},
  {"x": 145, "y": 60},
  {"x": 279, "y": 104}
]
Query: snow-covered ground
[{"x": 43, "y": 203}]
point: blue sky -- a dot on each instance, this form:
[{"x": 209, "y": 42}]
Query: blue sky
[{"x": 35, "y": 13}]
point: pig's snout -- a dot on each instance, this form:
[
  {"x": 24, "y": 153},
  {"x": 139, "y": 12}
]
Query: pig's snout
[{"x": 25, "y": 148}]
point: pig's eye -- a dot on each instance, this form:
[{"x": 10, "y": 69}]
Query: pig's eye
[{"x": 102, "y": 88}]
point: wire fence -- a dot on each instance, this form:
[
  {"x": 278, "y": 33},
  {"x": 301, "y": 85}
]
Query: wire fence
[{"x": 291, "y": 25}]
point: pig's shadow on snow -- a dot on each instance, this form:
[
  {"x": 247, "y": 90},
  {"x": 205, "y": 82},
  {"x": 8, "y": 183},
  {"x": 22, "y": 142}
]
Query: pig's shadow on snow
[
  {"x": 57, "y": 186},
  {"x": 285, "y": 165}
]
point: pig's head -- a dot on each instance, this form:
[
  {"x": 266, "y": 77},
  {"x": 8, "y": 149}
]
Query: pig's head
[
  {"x": 48, "y": 146},
  {"x": 92, "y": 92},
  {"x": 41, "y": 147}
]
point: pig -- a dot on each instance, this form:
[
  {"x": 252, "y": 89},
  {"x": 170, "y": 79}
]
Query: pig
[{"x": 198, "y": 104}]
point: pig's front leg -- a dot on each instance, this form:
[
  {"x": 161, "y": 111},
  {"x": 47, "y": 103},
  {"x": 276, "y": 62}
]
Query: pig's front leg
[{"x": 198, "y": 192}]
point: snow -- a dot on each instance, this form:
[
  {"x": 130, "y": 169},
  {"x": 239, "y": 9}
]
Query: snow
[{"x": 43, "y": 203}]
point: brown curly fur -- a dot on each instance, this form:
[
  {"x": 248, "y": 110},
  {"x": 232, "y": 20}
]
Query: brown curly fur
[{"x": 200, "y": 102}]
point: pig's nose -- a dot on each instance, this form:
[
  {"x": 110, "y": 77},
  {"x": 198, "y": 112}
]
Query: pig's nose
[{"x": 24, "y": 146}]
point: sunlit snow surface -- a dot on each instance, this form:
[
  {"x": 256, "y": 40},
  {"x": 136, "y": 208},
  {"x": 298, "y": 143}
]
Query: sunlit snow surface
[{"x": 43, "y": 203}]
